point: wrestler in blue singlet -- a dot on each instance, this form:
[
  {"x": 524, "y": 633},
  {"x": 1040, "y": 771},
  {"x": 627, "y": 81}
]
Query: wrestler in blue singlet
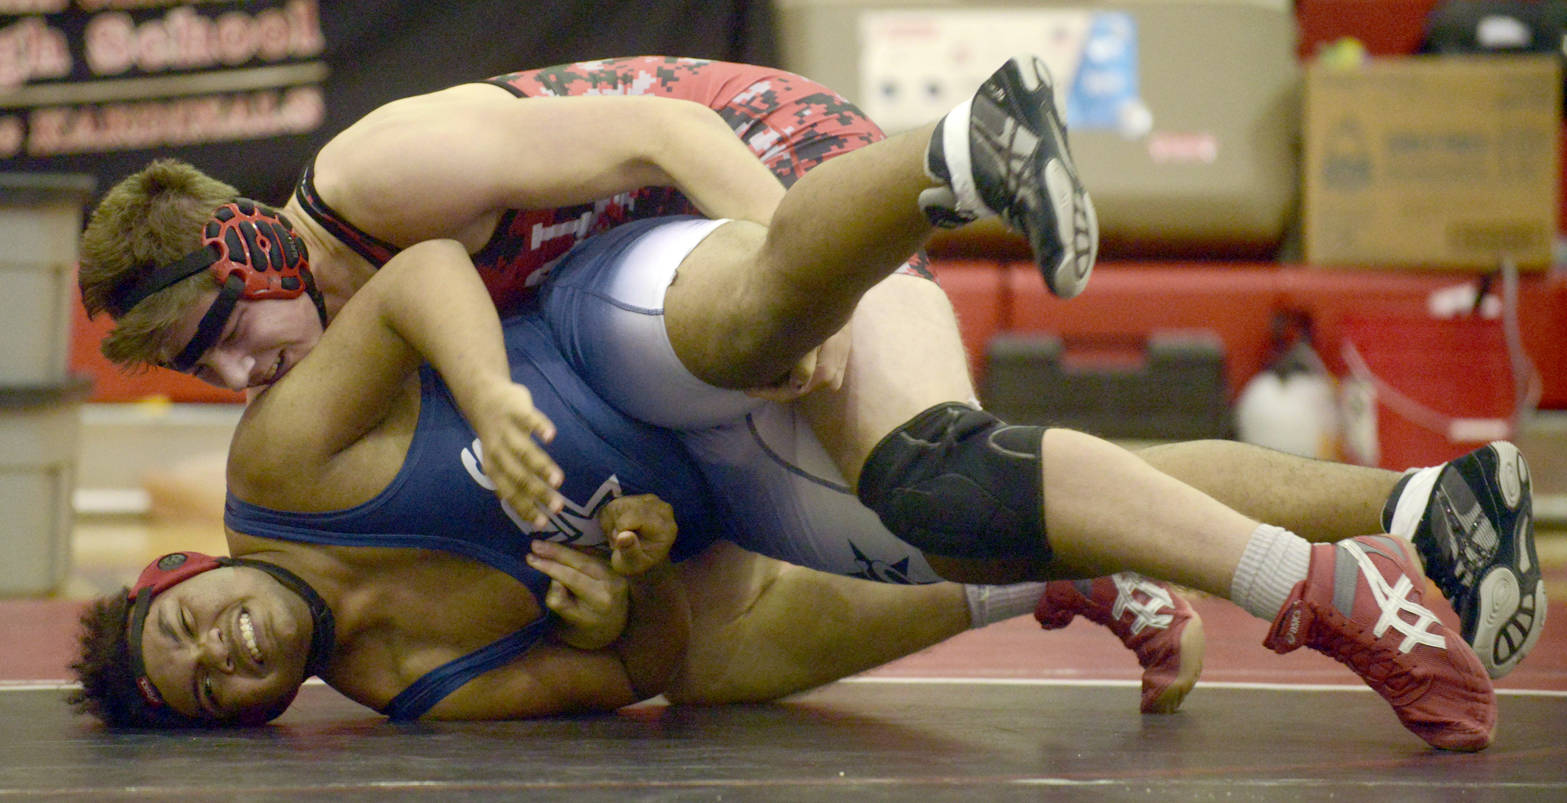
[
  {"x": 763, "y": 461},
  {"x": 441, "y": 499},
  {"x": 604, "y": 302}
]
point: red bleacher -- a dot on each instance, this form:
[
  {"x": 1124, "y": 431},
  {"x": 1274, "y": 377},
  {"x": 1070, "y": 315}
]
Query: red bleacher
[{"x": 1126, "y": 302}]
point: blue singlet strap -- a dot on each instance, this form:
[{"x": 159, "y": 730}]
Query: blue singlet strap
[{"x": 414, "y": 701}]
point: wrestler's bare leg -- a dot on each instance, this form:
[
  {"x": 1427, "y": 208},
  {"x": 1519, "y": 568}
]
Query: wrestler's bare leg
[
  {"x": 750, "y": 301},
  {"x": 749, "y": 644},
  {"x": 1106, "y": 510},
  {"x": 762, "y": 629},
  {"x": 907, "y": 356},
  {"x": 1318, "y": 500}
]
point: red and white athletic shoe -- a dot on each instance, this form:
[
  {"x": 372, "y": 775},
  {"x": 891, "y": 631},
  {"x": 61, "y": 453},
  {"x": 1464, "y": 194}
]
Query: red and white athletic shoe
[
  {"x": 1360, "y": 605},
  {"x": 1149, "y": 618}
]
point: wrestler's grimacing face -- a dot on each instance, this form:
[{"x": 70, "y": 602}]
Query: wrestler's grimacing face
[{"x": 225, "y": 642}]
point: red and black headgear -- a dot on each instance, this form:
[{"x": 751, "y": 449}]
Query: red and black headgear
[
  {"x": 177, "y": 567},
  {"x": 253, "y": 252}
]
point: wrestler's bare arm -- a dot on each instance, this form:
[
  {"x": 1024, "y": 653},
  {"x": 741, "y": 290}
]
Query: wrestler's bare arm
[
  {"x": 324, "y": 411},
  {"x": 548, "y": 679},
  {"x": 443, "y": 164},
  {"x": 553, "y": 678},
  {"x": 556, "y": 679},
  {"x": 447, "y": 164}
]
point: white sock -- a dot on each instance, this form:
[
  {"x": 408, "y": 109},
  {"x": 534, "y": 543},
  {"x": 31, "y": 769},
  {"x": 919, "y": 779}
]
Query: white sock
[
  {"x": 1275, "y": 560},
  {"x": 960, "y": 193},
  {"x": 991, "y": 604},
  {"x": 1413, "y": 501}
]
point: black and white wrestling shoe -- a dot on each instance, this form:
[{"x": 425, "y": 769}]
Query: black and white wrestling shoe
[
  {"x": 1472, "y": 521},
  {"x": 1004, "y": 152}
]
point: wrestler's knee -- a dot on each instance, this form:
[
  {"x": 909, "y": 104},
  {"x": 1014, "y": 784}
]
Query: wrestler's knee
[{"x": 959, "y": 483}]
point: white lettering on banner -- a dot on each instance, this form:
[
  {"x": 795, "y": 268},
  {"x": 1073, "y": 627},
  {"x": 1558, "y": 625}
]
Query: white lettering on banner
[
  {"x": 12, "y": 135},
  {"x": 153, "y": 124},
  {"x": 184, "y": 39},
  {"x": 32, "y": 6},
  {"x": 30, "y": 49}
]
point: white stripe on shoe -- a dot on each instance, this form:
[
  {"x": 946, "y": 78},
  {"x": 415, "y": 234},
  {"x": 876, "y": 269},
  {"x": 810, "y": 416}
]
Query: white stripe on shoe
[{"x": 1393, "y": 600}]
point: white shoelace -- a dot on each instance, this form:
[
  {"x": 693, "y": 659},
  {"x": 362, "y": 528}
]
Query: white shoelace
[
  {"x": 1147, "y": 614},
  {"x": 1394, "y": 601}
]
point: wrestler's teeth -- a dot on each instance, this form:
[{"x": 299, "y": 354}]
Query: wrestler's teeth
[{"x": 247, "y": 634}]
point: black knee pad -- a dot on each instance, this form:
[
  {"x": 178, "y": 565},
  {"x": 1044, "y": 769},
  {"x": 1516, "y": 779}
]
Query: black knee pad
[{"x": 957, "y": 482}]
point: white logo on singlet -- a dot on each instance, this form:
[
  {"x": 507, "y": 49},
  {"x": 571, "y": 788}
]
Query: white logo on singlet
[
  {"x": 579, "y": 226},
  {"x": 576, "y": 227},
  {"x": 575, "y": 524}
]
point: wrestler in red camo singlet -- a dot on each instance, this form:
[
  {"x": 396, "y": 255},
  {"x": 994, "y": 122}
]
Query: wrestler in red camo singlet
[{"x": 791, "y": 123}]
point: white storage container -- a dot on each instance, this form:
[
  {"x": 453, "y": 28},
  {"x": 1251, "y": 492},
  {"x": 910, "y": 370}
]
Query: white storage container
[
  {"x": 38, "y": 432},
  {"x": 40, "y": 221},
  {"x": 1183, "y": 112}
]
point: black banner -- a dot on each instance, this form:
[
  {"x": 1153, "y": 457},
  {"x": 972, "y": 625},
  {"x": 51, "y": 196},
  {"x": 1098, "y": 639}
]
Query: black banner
[{"x": 248, "y": 89}]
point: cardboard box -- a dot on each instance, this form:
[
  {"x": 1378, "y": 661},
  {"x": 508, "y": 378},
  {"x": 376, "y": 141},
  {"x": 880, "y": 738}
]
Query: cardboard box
[{"x": 1432, "y": 162}]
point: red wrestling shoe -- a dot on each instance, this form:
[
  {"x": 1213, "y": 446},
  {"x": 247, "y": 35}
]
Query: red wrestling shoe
[
  {"x": 1150, "y": 619},
  {"x": 1360, "y": 605}
]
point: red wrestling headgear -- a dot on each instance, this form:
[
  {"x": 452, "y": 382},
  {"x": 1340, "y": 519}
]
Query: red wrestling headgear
[{"x": 252, "y": 251}]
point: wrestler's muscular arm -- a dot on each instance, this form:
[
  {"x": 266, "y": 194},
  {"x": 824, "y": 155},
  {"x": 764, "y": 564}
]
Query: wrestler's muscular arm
[
  {"x": 316, "y": 419},
  {"x": 446, "y": 164},
  {"x": 553, "y": 679},
  {"x": 450, "y": 163}
]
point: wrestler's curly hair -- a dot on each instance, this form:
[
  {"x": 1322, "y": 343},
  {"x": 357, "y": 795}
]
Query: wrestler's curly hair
[{"x": 104, "y": 669}]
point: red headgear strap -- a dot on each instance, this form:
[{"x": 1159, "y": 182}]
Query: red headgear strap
[{"x": 159, "y": 576}]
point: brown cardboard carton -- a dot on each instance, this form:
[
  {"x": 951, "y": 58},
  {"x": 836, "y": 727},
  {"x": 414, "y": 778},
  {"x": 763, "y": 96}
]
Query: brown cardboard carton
[{"x": 1432, "y": 162}]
